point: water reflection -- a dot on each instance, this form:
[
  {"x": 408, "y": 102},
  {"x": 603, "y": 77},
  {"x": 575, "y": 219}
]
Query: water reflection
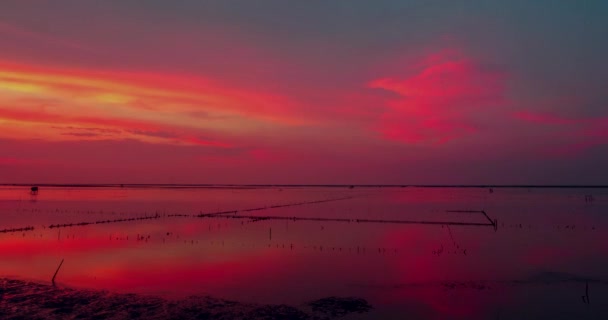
[{"x": 265, "y": 245}]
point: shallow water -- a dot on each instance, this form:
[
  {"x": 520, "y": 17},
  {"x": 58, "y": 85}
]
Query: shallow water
[{"x": 532, "y": 254}]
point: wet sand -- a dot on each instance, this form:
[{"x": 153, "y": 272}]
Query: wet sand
[{"x": 30, "y": 300}]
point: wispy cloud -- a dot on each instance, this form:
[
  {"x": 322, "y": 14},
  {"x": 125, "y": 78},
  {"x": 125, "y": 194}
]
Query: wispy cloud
[
  {"x": 21, "y": 33},
  {"x": 574, "y": 135}
]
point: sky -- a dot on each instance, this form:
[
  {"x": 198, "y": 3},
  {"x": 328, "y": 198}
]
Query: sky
[{"x": 304, "y": 92}]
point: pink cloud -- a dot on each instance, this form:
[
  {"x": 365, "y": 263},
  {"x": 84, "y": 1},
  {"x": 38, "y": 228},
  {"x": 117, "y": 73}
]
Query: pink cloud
[
  {"x": 19, "y": 32},
  {"x": 545, "y": 118},
  {"x": 576, "y": 135},
  {"x": 439, "y": 100}
]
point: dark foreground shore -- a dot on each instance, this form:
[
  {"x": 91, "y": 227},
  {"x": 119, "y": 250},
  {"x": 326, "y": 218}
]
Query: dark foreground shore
[{"x": 29, "y": 300}]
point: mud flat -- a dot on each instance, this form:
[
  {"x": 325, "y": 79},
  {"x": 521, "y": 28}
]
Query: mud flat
[{"x": 29, "y": 300}]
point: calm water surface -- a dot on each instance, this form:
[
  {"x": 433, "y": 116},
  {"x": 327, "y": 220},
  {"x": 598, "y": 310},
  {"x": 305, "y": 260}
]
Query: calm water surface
[{"x": 532, "y": 256}]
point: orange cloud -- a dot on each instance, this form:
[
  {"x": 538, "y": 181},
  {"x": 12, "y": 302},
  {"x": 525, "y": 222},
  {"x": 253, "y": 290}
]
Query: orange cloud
[
  {"x": 40, "y": 102},
  {"x": 439, "y": 100}
]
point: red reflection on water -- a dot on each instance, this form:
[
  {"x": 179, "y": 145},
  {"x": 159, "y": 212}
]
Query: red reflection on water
[
  {"x": 186, "y": 276},
  {"x": 21, "y": 248},
  {"x": 423, "y": 267},
  {"x": 420, "y": 275}
]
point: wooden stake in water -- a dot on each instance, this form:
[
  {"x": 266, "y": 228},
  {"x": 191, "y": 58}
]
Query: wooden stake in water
[
  {"x": 55, "y": 275},
  {"x": 586, "y": 296}
]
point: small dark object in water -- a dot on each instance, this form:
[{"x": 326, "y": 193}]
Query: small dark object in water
[
  {"x": 491, "y": 190},
  {"x": 34, "y": 190},
  {"x": 586, "y": 296},
  {"x": 351, "y": 187}
]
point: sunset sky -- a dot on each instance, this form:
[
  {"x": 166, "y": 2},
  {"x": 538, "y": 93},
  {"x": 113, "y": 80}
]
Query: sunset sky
[{"x": 304, "y": 92}]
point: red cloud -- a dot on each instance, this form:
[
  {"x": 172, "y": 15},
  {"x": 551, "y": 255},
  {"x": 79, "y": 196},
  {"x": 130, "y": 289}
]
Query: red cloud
[
  {"x": 12, "y": 161},
  {"x": 438, "y": 101}
]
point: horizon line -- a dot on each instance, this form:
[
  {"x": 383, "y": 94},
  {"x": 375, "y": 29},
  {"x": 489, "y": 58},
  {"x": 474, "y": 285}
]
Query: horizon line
[{"x": 202, "y": 185}]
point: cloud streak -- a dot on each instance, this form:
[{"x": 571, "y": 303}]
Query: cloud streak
[
  {"x": 149, "y": 107},
  {"x": 575, "y": 135}
]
